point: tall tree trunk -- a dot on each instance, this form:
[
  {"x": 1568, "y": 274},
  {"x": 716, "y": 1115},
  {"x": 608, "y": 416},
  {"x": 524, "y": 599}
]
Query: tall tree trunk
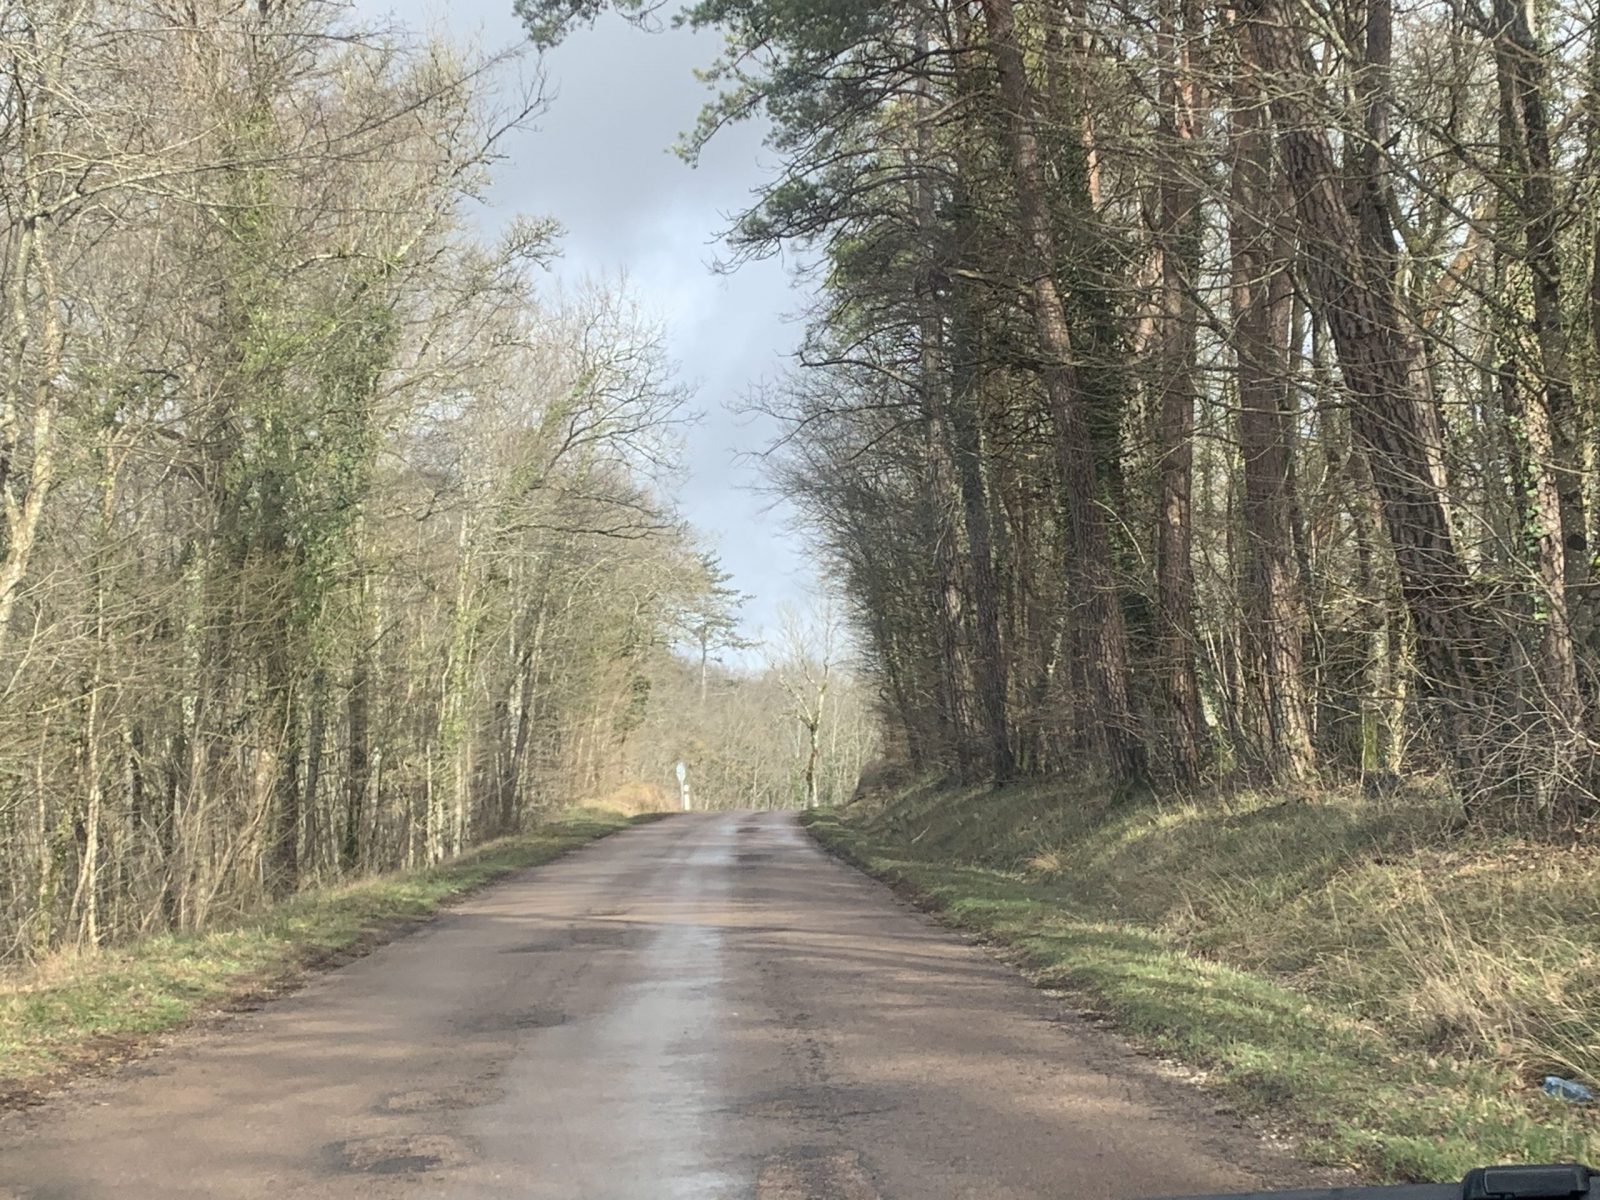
[
  {"x": 1178, "y": 236},
  {"x": 1355, "y": 296},
  {"x": 991, "y": 669},
  {"x": 1274, "y": 610},
  {"x": 279, "y": 765},
  {"x": 450, "y": 810},
  {"x": 316, "y": 738},
  {"x": 813, "y": 750},
  {"x": 358, "y": 746},
  {"x": 526, "y": 704},
  {"x": 938, "y": 466},
  {"x": 1530, "y": 231},
  {"x": 939, "y": 505},
  {"x": 47, "y": 875},
  {"x": 86, "y": 896},
  {"x": 23, "y": 491},
  {"x": 1106, "y": 639}
]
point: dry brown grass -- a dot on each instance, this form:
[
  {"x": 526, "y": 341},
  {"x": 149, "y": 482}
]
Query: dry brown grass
[
  {"x": 636, "y": 798},
  {"x": 1467, "y": 943}
]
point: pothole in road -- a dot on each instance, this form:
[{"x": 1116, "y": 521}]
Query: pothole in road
[
  {"x": 421, "y": 1100},
  {"x": 602, "y": 935},
  {"x": 536, "y": 948},
  {"x": 825, "y": 1103},
  {"x": 402, "y": 1164},
  {"x": 513, "y": 1021},
  {"x": 401, "y": 1154}
]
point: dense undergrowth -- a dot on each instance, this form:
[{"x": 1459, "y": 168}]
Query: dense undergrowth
[
  {"x": 1385, "y": 985},
  {"x": 77, "y": 1009}
]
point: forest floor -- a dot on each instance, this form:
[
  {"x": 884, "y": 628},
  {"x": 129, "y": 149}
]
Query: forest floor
[
  {"x": 1378, "y": 983},
  {"x": 75, "y": 1013}
]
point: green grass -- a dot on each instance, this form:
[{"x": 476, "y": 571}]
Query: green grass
[
  {"x": 74, "y": 1011},
  {"x": 1361, "y": 974}
]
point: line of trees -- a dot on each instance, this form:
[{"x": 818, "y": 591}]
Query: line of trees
[
  {"x": 795, "y": 727},
  {"x": 1196, "y": 391},
  {"x": 325, "y": 545}
]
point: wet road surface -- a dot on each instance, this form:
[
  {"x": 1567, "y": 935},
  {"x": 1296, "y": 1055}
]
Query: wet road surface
[{"x": 704, "y": 1008}]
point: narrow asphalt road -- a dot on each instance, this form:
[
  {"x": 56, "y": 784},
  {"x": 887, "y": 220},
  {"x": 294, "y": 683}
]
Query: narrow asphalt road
[{"x": 706, "y": 1008}]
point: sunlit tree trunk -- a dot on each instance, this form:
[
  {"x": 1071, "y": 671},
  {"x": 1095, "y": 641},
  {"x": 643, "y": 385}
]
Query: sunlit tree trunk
[{"x": 1377, "y": 357}]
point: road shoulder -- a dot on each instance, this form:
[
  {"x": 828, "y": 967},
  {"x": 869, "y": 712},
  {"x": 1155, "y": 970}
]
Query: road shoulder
[
  {"x": 1340, "y": 1089},
  {"x": 84, "y": 1015}
]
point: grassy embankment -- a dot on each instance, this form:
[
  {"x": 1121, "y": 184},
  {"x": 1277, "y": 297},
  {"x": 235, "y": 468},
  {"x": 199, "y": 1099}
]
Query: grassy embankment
[
  {"x": 75, "y": 1011},
  {"x": 1384, "y": 987}
]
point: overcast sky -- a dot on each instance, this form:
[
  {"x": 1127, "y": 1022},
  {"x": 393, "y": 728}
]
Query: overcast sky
[{"x": 599, "y": 160}]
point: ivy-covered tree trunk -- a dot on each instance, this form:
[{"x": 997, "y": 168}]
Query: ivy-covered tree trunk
[
  {"x": 1546, "y": 418},
  {"x": 1094, "y": 590}
]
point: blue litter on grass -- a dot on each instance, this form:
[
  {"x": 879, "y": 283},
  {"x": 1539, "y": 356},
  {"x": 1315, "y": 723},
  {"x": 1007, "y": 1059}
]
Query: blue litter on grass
[{"x": 1567, "y": 1089}]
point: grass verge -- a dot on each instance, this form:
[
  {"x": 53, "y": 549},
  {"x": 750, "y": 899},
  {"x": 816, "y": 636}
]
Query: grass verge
[
  {"x": 1354, "y": 972},
  {"x": 77, "y": 1012}
]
